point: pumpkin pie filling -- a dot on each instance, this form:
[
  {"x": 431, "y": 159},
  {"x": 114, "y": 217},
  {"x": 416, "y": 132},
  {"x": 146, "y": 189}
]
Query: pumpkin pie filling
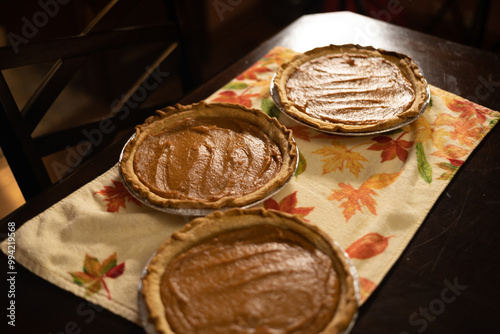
[
  {"x": 350, "y": 88},
  {"x": 261, "y": 279},
  {"x": 249, "y": 271},
  {"x": 207, "y": 158}
]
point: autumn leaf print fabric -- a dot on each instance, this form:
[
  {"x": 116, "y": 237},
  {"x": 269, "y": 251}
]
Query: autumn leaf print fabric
[
  {"x": 94, "y": 272},
  {"x": 369, "y": 194}
]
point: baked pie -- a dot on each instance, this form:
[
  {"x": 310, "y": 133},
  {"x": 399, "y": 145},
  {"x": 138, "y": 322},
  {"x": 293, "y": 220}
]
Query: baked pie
[
  {"x": 208, "y": 156},
  {"x": 249, "y": 271},
  {"x": 350, "y": 88}
]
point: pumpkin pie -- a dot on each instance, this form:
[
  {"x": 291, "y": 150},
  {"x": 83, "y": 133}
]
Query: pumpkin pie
[
  {"x": 249, "y": 271},
  {"x": 351, "y": 88},
  {"x": 208, "y": 155}
]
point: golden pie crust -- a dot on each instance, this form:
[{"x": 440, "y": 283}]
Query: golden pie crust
[
  {"x": 351, "y": 88},
  {"x": 211, "y": 230},
  {"x": 210, "y": 172}
]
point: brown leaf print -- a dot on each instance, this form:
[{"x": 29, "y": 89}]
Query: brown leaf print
[{"x": 368, "y": 246}]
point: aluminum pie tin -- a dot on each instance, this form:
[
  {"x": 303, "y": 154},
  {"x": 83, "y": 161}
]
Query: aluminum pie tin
[
  {"x": 357, "y": 287},
  {"x": 149, "y": 327},
  {"x": 197, "y": 212},
  {"x": 277, "y": 101}
]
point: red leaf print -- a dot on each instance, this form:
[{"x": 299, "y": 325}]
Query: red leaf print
[
  {"x": 366, "y": 287},
  {"x": 271, "y": 204},
  {"x": 391, "y": 148},
  {"x": 252, "y": 72},
  {"x": 116, "y": 271},
  {"x": 116, "y": 196},
  {"x": 288, "y": 204},
  {"x": 230, "y": 96},
  {"x": 300, "y": 131},
  {"x": 456, "y": 162},
  {"x": 368, "y": 246}
]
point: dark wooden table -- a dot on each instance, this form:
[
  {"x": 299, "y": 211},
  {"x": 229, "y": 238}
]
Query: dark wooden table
[{"x": 446, "y": 279}]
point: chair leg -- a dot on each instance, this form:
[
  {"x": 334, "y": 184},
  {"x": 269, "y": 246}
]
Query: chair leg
[{"x": 26, "y": 165}]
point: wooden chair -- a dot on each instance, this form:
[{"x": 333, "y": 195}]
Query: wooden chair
[{"x": 24, "y": 152}]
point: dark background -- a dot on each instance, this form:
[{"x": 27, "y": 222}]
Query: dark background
[{"x": 225, "y": 30}]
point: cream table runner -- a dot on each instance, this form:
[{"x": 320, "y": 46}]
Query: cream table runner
[{"x": 369, "y": 193}]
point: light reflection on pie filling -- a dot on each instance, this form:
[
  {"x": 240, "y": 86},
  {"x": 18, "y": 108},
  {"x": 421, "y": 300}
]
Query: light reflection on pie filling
[
  {"x": 350, "y": 89},
  {"x": 207, "y": 158},
  {"x": 260, "y": 279}
]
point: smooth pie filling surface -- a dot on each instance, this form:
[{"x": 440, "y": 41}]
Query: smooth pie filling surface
[
  {"x": 207, "y": 158},
  {"x": 259, "y": 279},
  {"x": 350, "y": 89}
]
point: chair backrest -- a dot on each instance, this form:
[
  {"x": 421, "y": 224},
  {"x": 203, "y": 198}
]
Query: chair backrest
[{"x": 23, "y": 151}]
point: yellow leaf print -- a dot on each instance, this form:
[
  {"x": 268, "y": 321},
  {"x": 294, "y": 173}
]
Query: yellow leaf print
[
  {"x": 440, "y": 138},
  {"x": 264, "y": 87},
  {"x": 422, "y": 130},
  {"x": 379, "y": 181},
  {"x": 340, "y": 157}
]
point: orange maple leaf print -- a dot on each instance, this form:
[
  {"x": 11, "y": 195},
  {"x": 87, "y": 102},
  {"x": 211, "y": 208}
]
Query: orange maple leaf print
[
  {"x": 467, "y": 109},
  {"x": 465, "y": 130},
  {"x": 354, "y": 200},
  {"x": 451, "y": 152},
  {"x": 288, "y": 204},
  {"x": 230, "y": 96},
  {"x": 340, "y": 157},
  {"x": 117, "y": 195},
  {"x": 94, "y": 272},
  {"x": 391, "y": 148}
]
